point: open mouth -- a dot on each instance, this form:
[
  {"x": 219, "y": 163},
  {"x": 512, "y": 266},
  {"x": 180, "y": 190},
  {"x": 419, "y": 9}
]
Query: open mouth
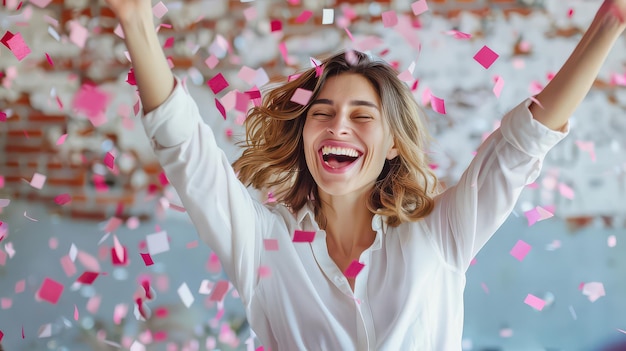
[{"x": 337, "y": 158}]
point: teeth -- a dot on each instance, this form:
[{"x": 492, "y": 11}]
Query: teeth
[{"x": 326, "y": 150}]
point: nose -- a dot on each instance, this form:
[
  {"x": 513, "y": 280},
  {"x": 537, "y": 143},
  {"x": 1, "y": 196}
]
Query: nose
[{"x": 339, "y": 125}]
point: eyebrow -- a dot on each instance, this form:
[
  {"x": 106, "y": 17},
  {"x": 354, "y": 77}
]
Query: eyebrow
[{"x": 352, "y": 102}]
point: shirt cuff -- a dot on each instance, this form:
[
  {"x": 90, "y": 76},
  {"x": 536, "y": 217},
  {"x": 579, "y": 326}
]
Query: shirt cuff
[
  {"x": 174, "y": 121},
  {"x": 525, "y": 133}
]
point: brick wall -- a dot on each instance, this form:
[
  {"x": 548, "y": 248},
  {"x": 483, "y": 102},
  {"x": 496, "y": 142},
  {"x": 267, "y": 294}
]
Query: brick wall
[{"x": 28, "y": 136}]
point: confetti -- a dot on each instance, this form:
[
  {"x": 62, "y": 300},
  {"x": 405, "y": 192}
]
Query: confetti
[
  {"x": 438, "y": 104},
  {"x": 38, "y": 181},
  {"x": 534, "y": 302},
  {"x": 390, "y": 18},
  {"x": 219, "y": 290},
  {"x": 50, "y": 291},
  {"x": 87, "y": 278},
  {"x": 157, "y": 243},
  {"x": 499, "y": 84},
  {"x": 354, "y": 269},
  {"x": 270, "y": 244},
  {"x": 300, "y": 236},
  {"x": 159, "y": 10},
  {"x": 185, "y": 295},
  {"x": 217, "y": 83},
  {"x": 520, "y": 250},
  {"x": 301, "y": 96},
  {"x": 486, "y": 57},
  {"x": 419, "y": 7},
  {"x": 304, "y": 16},
  {"x": 328, "y": 16},
  {"x": 593, "y": 290}
]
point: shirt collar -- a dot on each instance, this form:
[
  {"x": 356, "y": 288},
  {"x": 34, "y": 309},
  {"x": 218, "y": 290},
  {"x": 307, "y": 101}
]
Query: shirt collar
[{"x": 379, "y": 222}]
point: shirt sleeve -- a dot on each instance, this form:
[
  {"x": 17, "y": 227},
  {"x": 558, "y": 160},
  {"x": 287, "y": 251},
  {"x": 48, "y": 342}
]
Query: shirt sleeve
[
  {"x": 467, "y": 214},
  {"x": 222, "y": 210}
]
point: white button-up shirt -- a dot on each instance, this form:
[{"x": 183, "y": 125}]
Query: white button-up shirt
[{"x": 409, "y": 295}]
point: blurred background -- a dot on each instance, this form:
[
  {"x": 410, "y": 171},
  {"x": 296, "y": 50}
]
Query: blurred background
[{"x": 87, "y": 216}]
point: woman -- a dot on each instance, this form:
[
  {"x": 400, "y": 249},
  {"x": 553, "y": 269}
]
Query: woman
[{"x": 385, "y": 267}]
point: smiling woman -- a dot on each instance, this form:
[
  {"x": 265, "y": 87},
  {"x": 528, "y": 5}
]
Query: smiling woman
[{"x": 383, "y": 262}]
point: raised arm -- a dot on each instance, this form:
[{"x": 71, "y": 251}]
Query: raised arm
[
  {"x": 155, "y": 80},
  {"x": 570, "y": 85}
]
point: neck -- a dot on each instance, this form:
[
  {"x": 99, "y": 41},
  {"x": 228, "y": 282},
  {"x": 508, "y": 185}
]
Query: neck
[{"x": 348, "y": 222}]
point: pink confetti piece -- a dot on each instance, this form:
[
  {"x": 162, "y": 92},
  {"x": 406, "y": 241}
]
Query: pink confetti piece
[
  {"x": 61, "y": 139},
  {"x": 185, "y": 295},
  {"x": 75, "y": 313},
  {"x": 301, "y": 96},
  {"x": 211, "y": 61},
  {"x": 520, "y": 250},
  {"x": 119, "y": 312},
  {"x": 220, "y": 108},
  {"x": 485, "y": 288},
  {"x": 458, "y": 35},
  {"x": 219, "y": 290},
  {"x": 276, "y": 25},
  {"x": 217, "y": 83},
  {"x": 38, "y": 181},
  {"x": 499, "y": 84},
  {"x": 88, "y": 261},
  {"x": 300, "y": 236},
  {"x": 20, "y": 286},
  {"x": 90, "y": 101},
  {"x": 438, "y": 104},
  {"x": 49, "y": 59},
  {"x": 3, "y": 258},
  {"x": 147, "y": 259},
  {"x": 53, "y": 243},
  {"x": 1, "y": 335},
  {"x": 419, "y": 7},
  {"x": 17, "y": 45},
  {"x": 50, "y": 291},
  {"x": 486, "y": 57},
  {"x": 265, "y": 272},
  {"x": 93, "y": 304},
  {"x": 6, "y": 303},
  {"x": 159, "y": 10},
  {"x": 169, "y": 42},
  {"x": 119, "y": 256},
  {"x": 354, "y": 269},
  {"x": 304, "y": 16},
  {"x": 87, "y": 278},
  {"x": 247, "y": 74},
  {"x": 78, "y": 33},
  {"x": 566, "y": 191},
  {"x": 587, "y": 146},
  {"x": 390, "y": 18},
  {"x": 113, "y": 224},
  {"x": 570, "y": 13},
  {"x": 192, "y": 244},
  {"x": 270, "y": 244},
  {"x": 68, "y": 266},
  {"x": 63, "y": 199},
  {"x": 534, "y": 302}
]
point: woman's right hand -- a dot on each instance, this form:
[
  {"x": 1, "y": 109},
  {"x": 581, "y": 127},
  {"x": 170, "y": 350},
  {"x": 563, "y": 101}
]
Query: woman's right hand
[{"x": 127, "y": 11}]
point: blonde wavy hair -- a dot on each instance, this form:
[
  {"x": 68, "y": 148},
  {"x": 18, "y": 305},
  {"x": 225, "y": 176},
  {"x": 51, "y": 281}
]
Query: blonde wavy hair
[{"x": 273, "y": 156}]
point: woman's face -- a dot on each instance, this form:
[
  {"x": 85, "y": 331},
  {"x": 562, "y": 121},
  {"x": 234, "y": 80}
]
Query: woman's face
[{"x": 346, "y": 139}]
